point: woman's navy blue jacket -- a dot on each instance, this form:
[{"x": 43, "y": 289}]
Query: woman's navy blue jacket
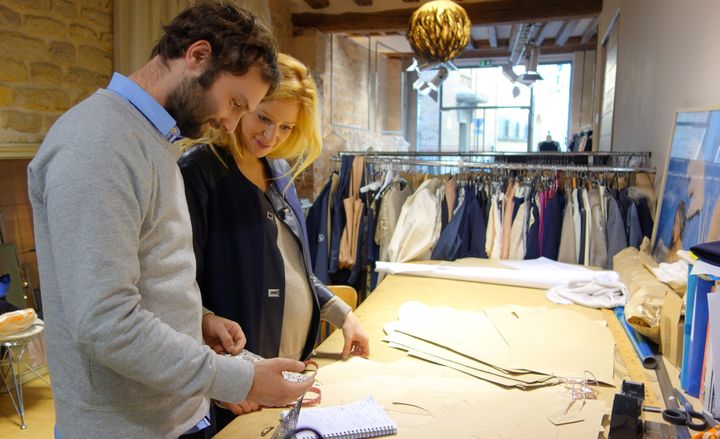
[{"x": 240, "y": 270}]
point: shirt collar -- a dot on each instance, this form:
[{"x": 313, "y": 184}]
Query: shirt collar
[{"x": 146, "y": 104}]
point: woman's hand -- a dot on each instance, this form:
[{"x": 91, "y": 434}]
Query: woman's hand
[
  {"x": 222, "y": 335},
  {"x": 240, "y": 408},
  {"x": 356, "y": 339}
]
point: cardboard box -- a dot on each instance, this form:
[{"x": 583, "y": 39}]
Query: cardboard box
[{"x": 672, "y": 322}]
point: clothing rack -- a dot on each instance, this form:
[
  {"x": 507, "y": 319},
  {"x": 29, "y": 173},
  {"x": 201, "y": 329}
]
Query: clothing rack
[{"x": 611, "y": 162}]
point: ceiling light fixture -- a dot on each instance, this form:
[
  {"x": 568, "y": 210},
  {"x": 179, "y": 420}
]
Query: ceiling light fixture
[
  {"x": 438, "y": 31},
  {"x": 531, "y": 64}
]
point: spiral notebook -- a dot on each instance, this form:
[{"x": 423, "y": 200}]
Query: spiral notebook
[{"x": 362, "y": 419}]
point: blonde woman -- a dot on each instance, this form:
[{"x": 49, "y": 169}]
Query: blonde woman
[{"x": 249, "y": 234}]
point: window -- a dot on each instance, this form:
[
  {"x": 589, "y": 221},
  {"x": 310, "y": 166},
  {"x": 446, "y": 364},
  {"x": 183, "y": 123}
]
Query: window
[{"x": 479, "y": 109}]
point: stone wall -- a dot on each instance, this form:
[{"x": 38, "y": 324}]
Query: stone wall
[{"x": 53, "y": 53}]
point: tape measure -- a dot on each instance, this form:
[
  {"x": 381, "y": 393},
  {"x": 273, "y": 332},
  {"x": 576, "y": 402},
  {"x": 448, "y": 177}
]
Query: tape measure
[{"x": 630, "y": 358}]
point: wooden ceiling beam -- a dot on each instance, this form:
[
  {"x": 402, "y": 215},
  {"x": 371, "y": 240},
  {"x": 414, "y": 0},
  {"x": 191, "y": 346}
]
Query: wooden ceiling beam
[
  {"x": 537, "y": 35},
  {"x": 487, "y": 12},
  {"x": 318, "y": 4},
  {"x": 541, "y": 35},
  {"x": 548, "y": 48},
  {"x": 549, "y": 43},
  {"x": 565, "y": 32},
  {"x": 591, "y": 30},
  {"x": 492, "y": 36}
]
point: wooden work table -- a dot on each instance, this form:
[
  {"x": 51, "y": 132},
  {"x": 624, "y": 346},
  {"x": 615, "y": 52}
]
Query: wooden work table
[{"x": 382, "y": 306}]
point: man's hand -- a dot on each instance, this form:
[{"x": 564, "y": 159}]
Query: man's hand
[
  {"x": 356, "y": 340},
  {"x": 222, "y": 335},
  {"x": 240, "y": 408},
  {"x": 270, "y": 389}
]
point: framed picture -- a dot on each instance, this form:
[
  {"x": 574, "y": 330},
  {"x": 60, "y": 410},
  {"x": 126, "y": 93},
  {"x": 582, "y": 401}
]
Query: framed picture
[{"x": 689, "y": 208}]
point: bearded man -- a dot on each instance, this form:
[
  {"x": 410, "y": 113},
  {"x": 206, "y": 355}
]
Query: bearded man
[{"x": 127, "y": 336}]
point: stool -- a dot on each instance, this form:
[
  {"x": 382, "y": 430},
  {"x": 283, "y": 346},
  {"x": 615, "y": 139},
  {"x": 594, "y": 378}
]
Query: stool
[{"x": 13, "y": 347}]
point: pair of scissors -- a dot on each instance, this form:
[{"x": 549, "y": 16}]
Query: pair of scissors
[{"x": 685, "y": 415}]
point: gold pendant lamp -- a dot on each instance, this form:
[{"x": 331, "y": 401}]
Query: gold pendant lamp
[{"x": 439, "y": 30}]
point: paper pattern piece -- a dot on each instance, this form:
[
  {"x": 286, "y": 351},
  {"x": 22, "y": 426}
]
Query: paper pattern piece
[
  {"x": 451, "y": 405},
  {"x": 511, "y": 338}
]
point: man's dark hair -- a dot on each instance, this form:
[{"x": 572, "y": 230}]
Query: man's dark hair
[{"x": 239, "y": 40}]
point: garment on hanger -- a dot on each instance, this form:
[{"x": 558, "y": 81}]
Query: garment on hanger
[
  {"x": 615, "y": 230},
  {"x": 317, "y": 226},
  {"x": 508, "y": 211},
  {"x": 517, "y": 230},
  {"x": 552, "y": 226},
  {"x": 587, "y": 226},
  {"x": 450, "y": 197},
  {"x": 418, "y": 226},
  {"x": 473, "y": 228},
  {"x": 448, "y": 244},
  {"x": 568, "y": 247},
  {"x": 393, "y": 201},
  {"x": 532, "y": 246},
  {"x": 353, "y": 207},
  {"x": 337, "y": 214},
  {"x": 577, "y": 221},
  {"x": 598, "y": 237},
  {"x": 490, "y": 228}
]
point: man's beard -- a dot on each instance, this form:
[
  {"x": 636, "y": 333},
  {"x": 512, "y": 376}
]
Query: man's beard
[{"x": 190, "y": 106}]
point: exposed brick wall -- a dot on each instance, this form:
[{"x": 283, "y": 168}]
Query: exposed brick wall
[
  {"x": 347, "y": 72},
  {"x": 53, "y": 54},
  {"x": 16, "y": 218}
]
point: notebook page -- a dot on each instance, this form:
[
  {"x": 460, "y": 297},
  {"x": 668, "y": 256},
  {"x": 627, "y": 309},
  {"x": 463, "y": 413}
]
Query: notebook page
[{"x": 362, "y": 419}]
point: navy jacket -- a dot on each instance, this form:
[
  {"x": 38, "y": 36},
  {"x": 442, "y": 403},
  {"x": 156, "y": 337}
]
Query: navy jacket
[{"x": 240, "y": 269}]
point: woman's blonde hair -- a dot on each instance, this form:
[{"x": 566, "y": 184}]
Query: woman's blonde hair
[{"x": 303, "y": 145}]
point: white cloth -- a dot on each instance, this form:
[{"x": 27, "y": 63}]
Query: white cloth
[
  {"x": 675, "y": 274},
  {"x": 418, "y": 227},
  {"x": 593, "y": 293}
]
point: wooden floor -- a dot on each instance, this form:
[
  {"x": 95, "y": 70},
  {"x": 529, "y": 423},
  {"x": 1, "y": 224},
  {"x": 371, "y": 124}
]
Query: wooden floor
[{"x": 39, "y": 413}]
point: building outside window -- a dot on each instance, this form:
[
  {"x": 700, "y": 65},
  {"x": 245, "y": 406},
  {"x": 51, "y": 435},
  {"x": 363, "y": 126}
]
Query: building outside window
[{"x": 479, "y": 109}]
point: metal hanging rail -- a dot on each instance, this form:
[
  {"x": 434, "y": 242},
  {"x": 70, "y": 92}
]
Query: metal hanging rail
[{"x": 611, "y": 162}]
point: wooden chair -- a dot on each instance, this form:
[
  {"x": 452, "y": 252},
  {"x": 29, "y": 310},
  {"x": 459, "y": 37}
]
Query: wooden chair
[{"x": 348, "y": 295}]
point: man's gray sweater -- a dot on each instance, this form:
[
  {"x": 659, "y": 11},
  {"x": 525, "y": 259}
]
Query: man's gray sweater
[{"x": 117, "y": 270}]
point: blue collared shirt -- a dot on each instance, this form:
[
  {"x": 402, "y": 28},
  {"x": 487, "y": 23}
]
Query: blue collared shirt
[
  {"x": 166, "y": 125},
  {"x": 146, "y": 104}
]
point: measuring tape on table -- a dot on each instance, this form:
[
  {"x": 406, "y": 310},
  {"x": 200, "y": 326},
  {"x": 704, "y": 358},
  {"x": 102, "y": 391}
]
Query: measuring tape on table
[{"x": 635, "y": 369}]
